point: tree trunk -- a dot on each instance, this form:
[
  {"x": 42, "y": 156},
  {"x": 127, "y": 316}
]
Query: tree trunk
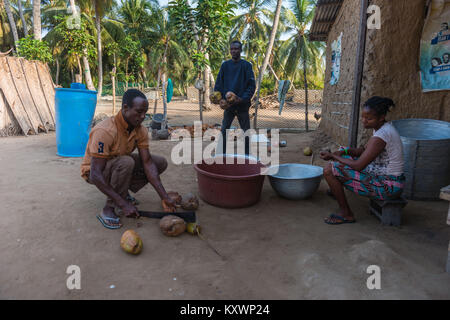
[
  {"x": 200, "y": 103},
  {"x": 37, "y": 19},
  {"x": 206, "y": 73},
  {"x": 211, "y": 79},
  {"x": 306, "y": 93},
  {"x": 206, "y": 92},
  {"x": 113, "y": 78},
  {"x": 164, "y": 124},
  {"x": 22, "y": 18},
  {"x": 276, "y": 19},
  {"x": 72, "y": 75},
  {"x": 99, "y": 50},
  {"x": 157, "y": 90},
  {"x": 87, "y": 71},
  {"x": 57, "y": 70},
  {"x": 144, "y": 77},
  {"x": 126, "y": 74},
  {"x": 12, "y": 23},
  {"x": 163, "y": 74},
  {"x": 80, "y": 71},
  {"x": 163, "y": 86}
]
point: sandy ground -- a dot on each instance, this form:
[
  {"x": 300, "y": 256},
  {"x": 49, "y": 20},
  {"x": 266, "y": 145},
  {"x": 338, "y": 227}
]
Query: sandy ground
[{"x": 277, "y": 249}]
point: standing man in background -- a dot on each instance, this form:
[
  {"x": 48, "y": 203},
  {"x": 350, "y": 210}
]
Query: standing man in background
[{"x": 236, "y": 83}]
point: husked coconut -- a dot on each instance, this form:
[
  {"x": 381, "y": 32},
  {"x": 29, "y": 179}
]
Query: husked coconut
[
  {"x": 175, "y": 196},
  {"x": 231, "y": 97},
  {"x": 131, "y": 242},
  {"x": 223, "y": 104},
  {"x": 190, "y": 202},
  {"x": 172, "y": 226}
]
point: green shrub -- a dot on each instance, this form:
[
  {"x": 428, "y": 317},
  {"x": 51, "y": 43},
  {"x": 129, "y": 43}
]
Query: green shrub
[{"x": 32, "y": 49}]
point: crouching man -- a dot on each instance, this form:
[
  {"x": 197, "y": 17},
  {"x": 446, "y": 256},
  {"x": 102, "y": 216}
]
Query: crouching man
[{"x": 111, "y": 166}]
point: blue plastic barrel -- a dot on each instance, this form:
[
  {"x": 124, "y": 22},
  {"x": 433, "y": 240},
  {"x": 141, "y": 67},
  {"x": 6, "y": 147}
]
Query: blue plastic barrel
[
  {"x": 77, "y": 85},
  {"x": 74, "y": 110}
]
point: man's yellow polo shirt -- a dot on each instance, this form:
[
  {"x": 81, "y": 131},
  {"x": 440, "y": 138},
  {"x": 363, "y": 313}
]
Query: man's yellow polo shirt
[{"x": 110, "y": 138}]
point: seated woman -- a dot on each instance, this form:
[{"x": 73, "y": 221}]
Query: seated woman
[{"x": 374, "y": 171}]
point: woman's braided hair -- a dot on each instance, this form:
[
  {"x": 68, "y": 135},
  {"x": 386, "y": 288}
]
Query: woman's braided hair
[{"x": 380, "y": 105}]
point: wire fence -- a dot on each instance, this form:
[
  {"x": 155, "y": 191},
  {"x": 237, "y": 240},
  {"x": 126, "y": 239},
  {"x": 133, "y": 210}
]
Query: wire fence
[
  {"x": 121, "y": 87},
  {"x": 184, "y": 110}
]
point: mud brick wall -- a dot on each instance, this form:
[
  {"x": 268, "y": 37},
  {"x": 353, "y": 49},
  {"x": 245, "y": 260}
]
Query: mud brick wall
[{"x": 391, "y": 67}]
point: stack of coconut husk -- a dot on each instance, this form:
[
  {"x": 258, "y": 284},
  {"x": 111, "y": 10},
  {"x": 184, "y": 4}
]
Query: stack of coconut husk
[
  {"x": 266, "y": 102},
  {"x": 191, "y": 129}
]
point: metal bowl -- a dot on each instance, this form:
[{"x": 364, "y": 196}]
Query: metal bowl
[{"x": 295, "y": 181}]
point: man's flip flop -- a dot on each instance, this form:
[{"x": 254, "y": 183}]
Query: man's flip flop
[
  {"x": 115, "y": 220},
  {"x": 336, "y": 217}
]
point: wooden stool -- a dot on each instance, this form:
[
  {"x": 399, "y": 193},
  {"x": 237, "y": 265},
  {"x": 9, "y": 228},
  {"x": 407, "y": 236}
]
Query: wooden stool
[{"x": 388, "y": 211}]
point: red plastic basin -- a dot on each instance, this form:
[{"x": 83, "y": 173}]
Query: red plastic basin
[{"x": 230, "y": 185}]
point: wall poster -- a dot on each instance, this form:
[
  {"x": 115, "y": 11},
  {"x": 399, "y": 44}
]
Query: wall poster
[
  {"x": 435, "y": 48},
  {"x": 336, "y": 60}
]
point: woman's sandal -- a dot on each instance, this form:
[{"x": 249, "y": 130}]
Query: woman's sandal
[{"x": 336, "y": 217}]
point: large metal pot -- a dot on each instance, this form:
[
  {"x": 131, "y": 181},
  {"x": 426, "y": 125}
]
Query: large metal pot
[
  {"x": 426, "y": 150},
  {"x": 295, "y": 181}
]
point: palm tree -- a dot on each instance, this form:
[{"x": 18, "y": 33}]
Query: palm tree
[
  {"x": 22, "y": 18},
  {"x": 134, "y": 12},
  {"x": 273, "y": 33},
  {"x": 37, "y": 19},
  {"x": 298, "y": 49},
  {"x": 12, "y": 23},
  {"x": 87, "y": 69},
  {"x": 100, "y": 7},
  {"x": 161, "y": 41},
  {"x": 250, "y": 28}
]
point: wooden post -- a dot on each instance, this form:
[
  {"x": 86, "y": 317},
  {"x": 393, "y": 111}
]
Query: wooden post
[
  {"x": 306, "y": 93},
  {"x": 164, "y": 97},
  {"x": 200, "y": 103},
  {"x": 113, "y": 78},
  {"x": 357, "y": 82}
]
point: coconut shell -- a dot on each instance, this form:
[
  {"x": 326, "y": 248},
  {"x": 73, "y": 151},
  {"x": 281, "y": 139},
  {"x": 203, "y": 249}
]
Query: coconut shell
[
  {"x": 131, "y": 242},
  {"x": 307, "y": 151},
  {"x": 190, "y": 202},
  {"x": 231, "y": 97},
  {"x": 215, "y": 97},
  {"x": 193, "y": 228},
  {"x": 172, "y": 226},
  {"x": 223, "y": 104},
  {"x": 175, "y": 196}
]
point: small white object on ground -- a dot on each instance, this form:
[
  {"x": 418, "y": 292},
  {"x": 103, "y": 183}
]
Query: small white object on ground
[
  {"x": 259, "y": 138},
  {"x": 112, "y": 286}
]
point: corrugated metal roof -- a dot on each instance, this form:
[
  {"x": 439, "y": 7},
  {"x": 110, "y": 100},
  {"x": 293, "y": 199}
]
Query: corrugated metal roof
[{"x": 324, "y": 17}]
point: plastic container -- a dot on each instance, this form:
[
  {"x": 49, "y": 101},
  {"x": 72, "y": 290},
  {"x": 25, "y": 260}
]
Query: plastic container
[
  {"x": 230, "y": 185},
  {"x": 157, "y": 120},
  {"x": 76, "y": 85},
  {"x": 74, "y": 109}
]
